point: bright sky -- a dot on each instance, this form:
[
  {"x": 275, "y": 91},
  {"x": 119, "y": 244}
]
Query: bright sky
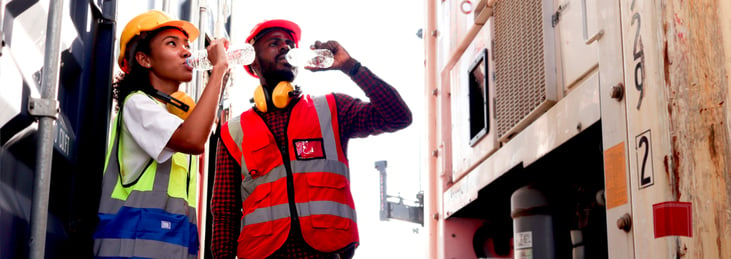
[{"x": 381, "y": 34}]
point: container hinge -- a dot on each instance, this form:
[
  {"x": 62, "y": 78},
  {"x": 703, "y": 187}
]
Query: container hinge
[
  {"x": 556, "y": 17},
  {"x": 2, "y": 43}
]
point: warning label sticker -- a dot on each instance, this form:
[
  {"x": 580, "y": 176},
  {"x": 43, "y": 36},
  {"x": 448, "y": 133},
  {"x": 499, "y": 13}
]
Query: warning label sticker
[{"x": 616, "y": 176}]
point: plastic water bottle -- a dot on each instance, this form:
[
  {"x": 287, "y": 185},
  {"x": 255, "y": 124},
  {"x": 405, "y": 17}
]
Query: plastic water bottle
[
  {"x": 303, "y": 57},
  {"x": 243, "y": 55}
]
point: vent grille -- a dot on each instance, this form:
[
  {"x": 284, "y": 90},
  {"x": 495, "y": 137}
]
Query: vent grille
[{"x": 521, "y": 83}]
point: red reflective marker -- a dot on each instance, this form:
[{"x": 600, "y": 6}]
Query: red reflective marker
[{"x": 673, "y": 218}]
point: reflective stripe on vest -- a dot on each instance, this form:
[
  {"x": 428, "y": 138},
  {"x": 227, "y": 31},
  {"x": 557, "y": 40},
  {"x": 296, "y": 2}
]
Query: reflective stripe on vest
[
  {"x": 138, "y": 248},
  {"x": 137, "y": 222},
  {"x": 321, "y": 183},
  {"x": 303, "y": 210},
  {"x": 232, "y": 129},
  {"x": 280, "y": 172}
]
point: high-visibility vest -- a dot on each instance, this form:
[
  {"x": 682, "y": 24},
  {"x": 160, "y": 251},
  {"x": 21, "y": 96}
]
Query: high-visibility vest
[
  {"x": 316, "y": 168},
  {"x": 153, "y": 217}
]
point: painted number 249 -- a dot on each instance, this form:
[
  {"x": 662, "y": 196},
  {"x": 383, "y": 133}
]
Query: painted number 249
[{"x": 639, "y": 57}]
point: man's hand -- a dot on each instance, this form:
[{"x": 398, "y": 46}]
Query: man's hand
[{"x": 341, "y": 56}]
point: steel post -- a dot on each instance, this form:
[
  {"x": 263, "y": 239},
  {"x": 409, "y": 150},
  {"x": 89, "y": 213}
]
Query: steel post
[{"x": 47, "y": 119}]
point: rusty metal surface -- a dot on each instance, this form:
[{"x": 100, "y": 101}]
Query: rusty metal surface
[{"x": 697, "y": 87}]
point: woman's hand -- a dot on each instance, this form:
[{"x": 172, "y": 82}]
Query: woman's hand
[
  {"x": 217, "y": 53},
  {"x": 192, "y": 135}
]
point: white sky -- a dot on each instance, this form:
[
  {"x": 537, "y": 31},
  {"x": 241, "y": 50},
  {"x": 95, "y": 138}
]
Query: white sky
[{"x": 381, "y": 34}]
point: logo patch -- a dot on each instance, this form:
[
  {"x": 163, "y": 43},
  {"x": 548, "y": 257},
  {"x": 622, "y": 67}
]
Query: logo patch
[
  {"x": 306, "y": 149},
  {"x": 164, "y": 224}
]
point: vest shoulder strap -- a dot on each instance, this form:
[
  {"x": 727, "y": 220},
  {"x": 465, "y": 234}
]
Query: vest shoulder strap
[{"x": 232, "y": 134}]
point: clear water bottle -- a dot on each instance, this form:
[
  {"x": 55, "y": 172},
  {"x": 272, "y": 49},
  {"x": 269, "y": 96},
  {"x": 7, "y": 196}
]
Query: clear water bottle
[
  {"x": 242, "y": 55},
  {"x": 303, "y": 57}
]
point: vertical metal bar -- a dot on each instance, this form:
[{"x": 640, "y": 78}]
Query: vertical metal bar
[
  {"x": 584, "y": 17},
  {"x": 434, "y": 225},
  {"x": 384, "y": 210},
  {"x": 196, "y": 86},
  {"x": 42, "y": 181},
  {"x": 166, "y": 6},
  {"x": 218, "y": 23},
  {"x": 202, "y": 25}
]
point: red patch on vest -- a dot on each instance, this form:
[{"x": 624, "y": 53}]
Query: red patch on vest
[{"x": 309, "y": 149}]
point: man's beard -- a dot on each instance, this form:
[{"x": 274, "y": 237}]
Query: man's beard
[{"x": 276, "y": 76}]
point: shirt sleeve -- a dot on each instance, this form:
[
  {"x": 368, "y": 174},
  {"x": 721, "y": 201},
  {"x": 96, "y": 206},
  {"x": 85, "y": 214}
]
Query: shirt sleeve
[
  {"x": 225, "y": 204},
  {"x": 150, "y": 125},
  {"x": 386, "y": 111}
]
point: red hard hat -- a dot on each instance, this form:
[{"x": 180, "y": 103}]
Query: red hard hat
[{"x": 279, "y": 23}]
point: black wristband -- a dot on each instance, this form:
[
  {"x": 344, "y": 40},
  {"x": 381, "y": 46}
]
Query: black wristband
[{"x": 354, "y": 69}]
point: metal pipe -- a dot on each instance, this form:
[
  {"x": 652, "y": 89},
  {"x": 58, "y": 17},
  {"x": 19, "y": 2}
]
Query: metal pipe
[
  {"x": 166, "y": 6},
  {"x": 383, "y": 211},
  {"x": 197, "y": 84},
  {"x": 432, "y": 205},
  {"x": 220, "y": 24},
  {"x": 49, "y": 87}
]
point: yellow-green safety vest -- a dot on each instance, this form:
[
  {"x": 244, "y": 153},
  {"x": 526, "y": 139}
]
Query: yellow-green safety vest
[{"x": 152, "y": 217}]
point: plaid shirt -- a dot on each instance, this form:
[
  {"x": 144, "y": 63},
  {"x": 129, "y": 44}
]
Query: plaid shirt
[{"x": 386, "y": 112}]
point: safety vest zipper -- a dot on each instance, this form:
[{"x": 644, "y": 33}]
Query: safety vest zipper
[
  {"x": 284, "y": 151},
  {"x": 290, "y": 177}
]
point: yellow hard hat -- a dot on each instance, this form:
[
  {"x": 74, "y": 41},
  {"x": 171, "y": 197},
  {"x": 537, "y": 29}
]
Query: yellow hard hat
[{"x": 149, "y": 21}]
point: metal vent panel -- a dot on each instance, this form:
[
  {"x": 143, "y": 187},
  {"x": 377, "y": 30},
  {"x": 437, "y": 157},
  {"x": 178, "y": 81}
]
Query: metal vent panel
[{"x": 523, "y": 85}]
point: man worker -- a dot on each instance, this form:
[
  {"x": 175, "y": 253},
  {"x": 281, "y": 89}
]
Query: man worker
[{"x": 282, "y": 184}]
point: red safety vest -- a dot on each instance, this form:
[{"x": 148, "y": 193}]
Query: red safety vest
[{"x": 319, "y": 170}]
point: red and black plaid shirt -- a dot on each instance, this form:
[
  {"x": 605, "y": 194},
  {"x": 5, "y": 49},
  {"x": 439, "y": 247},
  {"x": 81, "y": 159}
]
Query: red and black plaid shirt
[{"x": 386, "y": 112}]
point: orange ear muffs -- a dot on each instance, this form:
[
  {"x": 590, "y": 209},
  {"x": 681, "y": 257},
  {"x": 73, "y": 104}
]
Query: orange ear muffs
[
  {"x": 261, "y": 98},
  {"x": 181, "y": 104},
  {"x": 280, "y": 97}
]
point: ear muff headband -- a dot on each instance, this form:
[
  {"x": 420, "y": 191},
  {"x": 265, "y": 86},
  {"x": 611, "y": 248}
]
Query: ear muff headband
[{"x": 178, "y": 103}]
